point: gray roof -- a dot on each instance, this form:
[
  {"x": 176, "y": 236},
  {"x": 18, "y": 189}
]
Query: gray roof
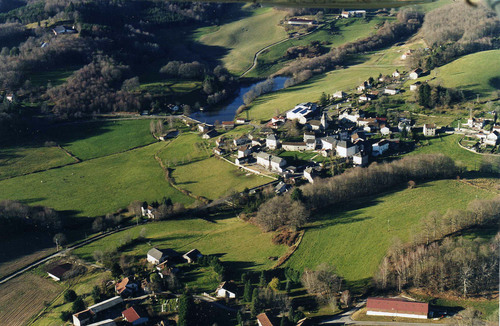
[
  {"x": 263, "y": 155},
  {"x": 311, "y": 141},
  {"x": 345, "y": 144},
  {"x": 272, "y": 137},
  {"x": 155, "y": 253},
  {"x": 329, "y": 140},
  {"x": 277, "y": 159}
]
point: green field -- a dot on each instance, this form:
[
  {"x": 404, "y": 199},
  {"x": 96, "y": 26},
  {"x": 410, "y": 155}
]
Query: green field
[
  {"x": 243, "y": 38},
  {"x": 241, "y": 244},
  {"x": 213, "y": 178},
  {"x": 55, "y": 77},
  {"x": 474, "y": 72},
  {"x": 265, "y": 106},
  {"x": 95, "y": 139},
  {"x": 344, "y": 31},
  {"x": 356, "y": 236},
  {"x": 96, "y": 187},
  {"x": 185, "y": 148},
  {"x": 171, "y": 86},
  {"x": 19, "y": 160},
  {"x": 448, "y": 145}
]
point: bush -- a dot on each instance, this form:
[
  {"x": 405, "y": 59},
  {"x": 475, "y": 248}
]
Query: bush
[
  {"x": 70, "y": 296},
  {"x": 78, "y": 305},
  {"x": 65, "y": 315}
]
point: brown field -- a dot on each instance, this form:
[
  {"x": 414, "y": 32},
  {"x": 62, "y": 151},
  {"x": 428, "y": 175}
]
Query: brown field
[{"x": 24, "y": 296}]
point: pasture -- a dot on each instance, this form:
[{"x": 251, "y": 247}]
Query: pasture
[
  {"x": 239, "y": 243},
  {"x": 243, "y": 38},
  {"x": 94, "y": 139},
  {"x": 54, "y": 77},
  {"x": 98, "y": 186},
  {"x": 187, "y": 147},
  {"x": 213, "y": 178},
  {"x": 354, "y": 237},
  {"x": 24, "y": 296}
]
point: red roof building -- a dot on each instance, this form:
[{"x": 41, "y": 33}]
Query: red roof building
[
  {"x": 135, "y": 316},
  {"x": 396, "y": 308},
  {"x": 263, "y": 320}
]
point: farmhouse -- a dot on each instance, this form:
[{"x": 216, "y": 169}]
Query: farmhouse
[
  {"x": 58, "y": 272},
  {"x": 476, "y": 123},
  {"x": 280, "y": 188},
  {"x": 396, "y": 308},
  {"x": 366, "y": 97},
  {"x": 385, "y": 130},
  {"x": 416, "y": 73},
  {"x": 106, "y": 322},
  {"x": 364, "y": 86},
  {"x": 301, "y": 111},
  {"x": 226, "y": 290},
  {"x": 391, "y": 90},
  {"x": 263, "y": 320},
  {"x": 272, "y": 141},
  {"x": 405, "y": 55},
  {"x": 135, "y": 316},
  {"x": 294, "y": 146},
  {"x": 241, "y": 141},
  {"x": 429, "y": 129},
  {"x": 192, "y": 255},
  {"x": 396, "y": 74},
  {"x": 360, "y": 159},
  {"x": 353, "y": 13},
  {"x": 210, "y": 134},
  {"x": 271, "y": 162},
  {"x": 492, "y": 139},
  {"x": 339, "y": 95},
  {"x": 244, "y": 150},
  {"x": 155, "y": 256},
  {"x": 328, "y": 143},
  {"x": 125, "y": 287},
  {"x": 203, "y": 127},
  {"x": 414, "y": 87},
  {"x": 350, "y": 115},
  {"x": 228, "y": 125},
  {"x": 309, "y": 174}
]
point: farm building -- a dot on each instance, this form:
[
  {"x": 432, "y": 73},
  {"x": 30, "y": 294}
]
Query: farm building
[
  {"x": 429, "y": 129},
  {"x": 58, "y": 272},
  {"x": 380, "y": 147},
  {"x": 125, "y": 287},
  {"x": 301, "y": 111},
  {"x": 192, "y": 255},
  {"x": 106, "y": 322},
  {"x": 360, "y": 159},
  {"x": 155, "y": 256},
  {"x": 416, "y": 73},
  {"x": 301, "y": 21},
  {"x": 391, "y": 91},
  {"x": 63, "y": 30},
  {"x": 82, "y": 318},
  {"x": 396, "y": 74},
  {"x": 339, "y": 95},
  {"x": 280, "y": 188},
  {"x": 414, "y": 87},
  {"x": 294, "y": 146},
  {"x": 329, "y": 143},
  {"x": 210, "y": 134},
  {"x": 228, "y": 125},
  {"x": 135, "y": 316},
  {"x": 203, "y": 127},
  {"x": 396, "y": 308},
  {"x": 106, "y": 304},
  {"x": 226, "y": 290},
  {"x": 244, "y": 151}
]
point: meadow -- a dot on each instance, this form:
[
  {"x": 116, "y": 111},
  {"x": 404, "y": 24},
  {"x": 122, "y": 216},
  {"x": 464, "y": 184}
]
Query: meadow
[
  {"x": 94, "y": 139},
  {"x": 186, "y": 147},
  {"x": 242, "y": 245},
  {"x": 98, "y": 186},
  {"x": 354, "y": 237},
  {"x": 243, "y": 38},
  {"x": 54, "y": 77},
  {"x": 213, "y": 178}
]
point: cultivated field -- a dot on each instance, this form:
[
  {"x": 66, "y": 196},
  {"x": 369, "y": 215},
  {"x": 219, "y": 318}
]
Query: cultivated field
[
  {"x": 240, "y": 244},
  {"x": 243, "y": 38},
  {"x": 24, "y": 296},
  {"x": 355, "y": 237},
  {"x": 98, "y": 186},
  {"x": 213, "y": 178}
]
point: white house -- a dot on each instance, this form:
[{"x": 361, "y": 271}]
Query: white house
[
  {"x": 82, "y": 318},
  {"x": 391, "y": 91},
  {"x": 294, "y": 146},
  {"x": 414, "y": 87},
  {"x": 405, "y": 55},
  {"x": 339, "y": 95},
  {"x": 396, "y": 74},
  {"x": 492, "y": 138},
  {"x": 301, "y": 21},
  {"x": 353, "y": 13},
  {"x": 277, "y": 163},
  {"x": 309, "y": 174},
  {"x": 360, "y": 159},
  {"x": 272, "y": 141},
  {"x": 429, "y": 129},
  {"x": 380, "y": 147},
  {"x": 244, "y": 150},
  {"x": 311, "y": 144},
  {"x": 364, "y": 86},
  {"x": 350, "y": 115},
  {"x": 271, "y": 162},
  {"x": 203, "y": 127},
  {"x": 346, "y": 149},
  {"x": 155, "y": 256},
  {"x": 385, "y": 131},
  {"x": 192, "y": 255},
  {"x": 329, "y": 143},
  {"x": 416, "y": 73},
  {"x": 309, "y": 135},
  {"x": 210, "y": 134},
  {"x": 226, "y": 290},
  {"x": 301, "y": 111}
]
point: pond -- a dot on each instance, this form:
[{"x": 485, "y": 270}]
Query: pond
[{"x": 228, "y": 112}]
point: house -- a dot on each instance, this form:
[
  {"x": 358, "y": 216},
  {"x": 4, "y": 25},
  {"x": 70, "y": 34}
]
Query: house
[
  {"x": 278, "y": 119},
  {"x": 82, "y": 318},
  {"x": 416, "y": 73},
  {"x": 204, "y": 128},
  {"x": 147, "y": 210},
  {"x": 360, "y": 159},
  {"x": 350, "y": 115},
  {"x": 294, "y": 146},
  {"x": 364, "y": 86},
  {"x": 263, "y": 320},
  {"x": 301, "y": 21},
  {"x": 492, "y": 138},
  {"x": 301, "y": 111},
  {"x": 272, "y": 142},
  {"x": 405, "y": 55},
  {"x": 106, "y": 304},
  {"x": 476, "y": 123},
  {"x": 353, "y": 13},
  {"x": 309, "y": 135},
  {"x": 226, "y": 290},
  {"x": 271, "y": 162},
  {"x": 155, "y": 256},
  {"x": 125, "y": 287},
  {"x": 328, "y": 143},
  {"x": 135, "y": 316},
  {"x": 243, "y": 140},
  {"x": 311, "y": 144},
  {"x": 63, "y": 30},
  {"x": 385, "y": 130},
  {"x": 277, "y": 163},
  {"x": 228, "y": 125},
  {"x": 429, "y": 129},
  {"x": 314, "y": 125},
  {"x": 219, "y": 151},
  {"x": 396, "y": 308},
  {"x": 363, "y": 122},
  {"x": 192, "y": 255},
  {"x": 414, "y": 87},
  {"x": 366, "y": 97},
  {"x": 263, "y": 159},
  {"x": 58, "y": 272},
  {"x": 380, "y": 147},
  {"x": 280, "y": 188},
  {"x": 346, "y": 149},
  {"x": 391, "y": 90},
  {"x": 309, "y": 173},
  {"x": 396, "y": 74},
  {"x": 339, "y": 95},
  {"x": 244, "y": 151},
  {"x": 210, "y": 134},
  {"x": 10, "y": 97},
  {"x": 241, "y": 121},
  {"x": 220, "y": 141}
]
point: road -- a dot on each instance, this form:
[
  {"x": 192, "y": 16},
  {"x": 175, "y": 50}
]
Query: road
[{"x": 60, "y": 253}]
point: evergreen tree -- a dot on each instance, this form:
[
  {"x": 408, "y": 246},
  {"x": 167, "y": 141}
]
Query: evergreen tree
[
  {"x": 262, "y": 279},
  {"x": 255, "y": 305},
  {"x": 247, "y": 293},
  {"x": 70, "y": 296},
  {"x": 288, "y": 286},
  {"x": 239, "y": 318},
  {"x": 78, "y": 305},
  {"x": 323, "y": 100},
  {"x": 116, "y": 270},
  {"x": 185, "y": 310}
]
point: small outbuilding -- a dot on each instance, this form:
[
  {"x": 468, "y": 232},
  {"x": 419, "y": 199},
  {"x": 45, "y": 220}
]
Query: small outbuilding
[
  {"x": 192, "y": 255},
  {"x": 58, "y": 272},
  {"x": 226, "y": 290}
]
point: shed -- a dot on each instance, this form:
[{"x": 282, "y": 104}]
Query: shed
[
  {"x": 192, "y": 255},
  {"x": 396, "y": 308},
  {"x": 58, "y": 272}
]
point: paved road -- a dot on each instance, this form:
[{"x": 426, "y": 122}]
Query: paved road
[{"x": 60, "y": 253}]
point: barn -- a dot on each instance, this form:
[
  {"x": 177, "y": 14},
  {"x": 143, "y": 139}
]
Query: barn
[{"x": 396, "y": 308}]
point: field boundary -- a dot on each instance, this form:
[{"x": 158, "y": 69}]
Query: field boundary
[
  {"x": 470, "y": 150},
  {"x": 290, "y": 251}
]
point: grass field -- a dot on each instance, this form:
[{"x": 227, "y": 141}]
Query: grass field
[
  {"x": 213, "y": 178},
  {"x": 96, "y": 187},
  {"x": 171, "y": 86},
  {"x": 186, "y": 147},
  {"x": 19, "y": 160},
  {"x": 448, "y": 145},
  {"x": 344, "y": 31},
  {"x": 265, "y": 106},
  {"x": 24, "y": 296},
  {"x": 355, "y": 237},
  {"x": 95, "y": 139},
  {"x": 55, "y": 77},
  {"x": 240, "y": 244},
  {"x": 473, "y": 72},
  {"x": 243, "y": 38}
]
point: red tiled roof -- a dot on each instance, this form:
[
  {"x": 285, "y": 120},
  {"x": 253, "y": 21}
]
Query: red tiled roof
[
  {"x": 264, "y": 320},
  {"x": 397, "y": 305},
  {"x": 130, "y": 315},
  {"x": 121, "y": 286}
]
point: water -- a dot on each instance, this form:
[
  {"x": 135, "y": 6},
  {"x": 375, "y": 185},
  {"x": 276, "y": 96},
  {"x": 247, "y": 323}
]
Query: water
[{"x": 228, "y": 112}]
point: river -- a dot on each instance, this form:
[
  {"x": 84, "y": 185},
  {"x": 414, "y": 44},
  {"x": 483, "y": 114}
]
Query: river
[{"x": 228, "y": 112}]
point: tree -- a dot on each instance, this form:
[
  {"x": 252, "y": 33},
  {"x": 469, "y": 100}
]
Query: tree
[
  {"x": 65, "y": 315},
  {"x": 297, "y": 194},
  {"x": 247, "y": 293},
  {"x": 96, "y": 293},
  {"x": 274, "y": 284},
  {"x": 116, "y": 270},
  {"x": 323, "y": 282},
  {"x": 255, "y": 305},
  {"x": 185, "y": 310},
  {"x": 78, "y": 305},
  {"x": 59, "y": 239},
  {"x": 262, "y": 279},
  {"x": 323, "y": 100},
  {"x": 281, "y": 211},
  {"x": 70, "y": 296}
]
